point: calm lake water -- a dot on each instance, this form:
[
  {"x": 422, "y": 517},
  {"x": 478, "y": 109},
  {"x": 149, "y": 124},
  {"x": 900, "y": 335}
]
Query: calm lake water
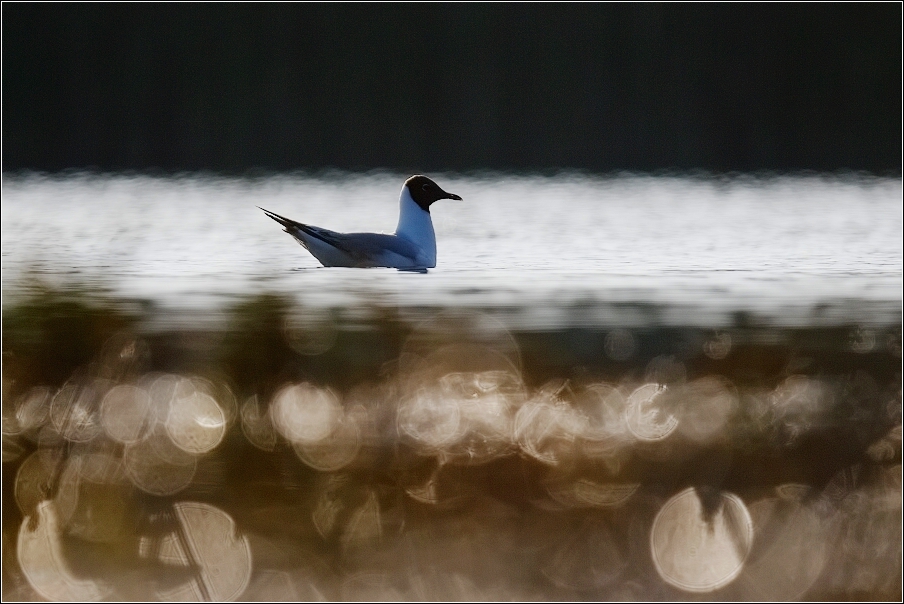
[
  {"x": 626, "y": 388},
  {"x": 550, "y": 251}
]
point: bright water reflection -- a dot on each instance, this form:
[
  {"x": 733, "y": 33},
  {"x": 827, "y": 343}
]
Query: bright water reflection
[{"x": 556, "y": 250}]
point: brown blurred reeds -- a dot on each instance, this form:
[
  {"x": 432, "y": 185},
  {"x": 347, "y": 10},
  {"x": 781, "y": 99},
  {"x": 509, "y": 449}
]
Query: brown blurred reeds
[{"x": 390, "y": 454}]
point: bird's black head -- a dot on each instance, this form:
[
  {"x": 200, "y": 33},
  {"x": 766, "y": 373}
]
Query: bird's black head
[{"x": 424, "y": 191}]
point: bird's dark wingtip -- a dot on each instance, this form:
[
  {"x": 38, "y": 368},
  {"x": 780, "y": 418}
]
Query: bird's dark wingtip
[{"x": 286, "y": 222}]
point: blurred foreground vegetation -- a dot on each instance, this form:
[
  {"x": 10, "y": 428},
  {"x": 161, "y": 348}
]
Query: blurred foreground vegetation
[{"x": 388, "y": 453}]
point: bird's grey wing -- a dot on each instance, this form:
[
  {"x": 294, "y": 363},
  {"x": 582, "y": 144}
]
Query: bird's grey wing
[
  {"x": 365, "y": 247},
  {"x": 379, "y": 245},
  {"x": 337, "y": 240},
  {"x": 362, "y": 249}
]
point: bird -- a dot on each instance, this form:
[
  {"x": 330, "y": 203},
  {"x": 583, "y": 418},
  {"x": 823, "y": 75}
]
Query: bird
[{"x": 411, "y": 247}]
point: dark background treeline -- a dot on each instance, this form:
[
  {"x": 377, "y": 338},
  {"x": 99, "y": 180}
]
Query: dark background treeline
[{"x": 596, "y": 87}]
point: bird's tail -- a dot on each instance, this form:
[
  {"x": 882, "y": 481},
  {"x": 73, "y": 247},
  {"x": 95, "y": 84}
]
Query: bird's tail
[{"x": 287, "y": 223}]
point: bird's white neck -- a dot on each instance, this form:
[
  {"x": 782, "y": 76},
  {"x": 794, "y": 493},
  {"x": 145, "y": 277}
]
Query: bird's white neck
[{"x": 416, "y": 226}]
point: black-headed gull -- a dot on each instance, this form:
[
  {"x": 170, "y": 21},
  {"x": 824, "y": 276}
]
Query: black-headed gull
[{"x": 413, "y": 246}]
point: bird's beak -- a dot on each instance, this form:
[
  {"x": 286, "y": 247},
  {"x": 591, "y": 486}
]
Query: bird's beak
[{"x": 452, "y": 196}]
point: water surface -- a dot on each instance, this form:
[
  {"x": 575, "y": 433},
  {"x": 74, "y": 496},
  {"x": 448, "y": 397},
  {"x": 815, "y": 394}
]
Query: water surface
[{"x": 792, "y": 249}]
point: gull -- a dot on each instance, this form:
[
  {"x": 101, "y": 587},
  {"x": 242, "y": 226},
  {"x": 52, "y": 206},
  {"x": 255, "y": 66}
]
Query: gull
[{"x": 413, "y": 246}]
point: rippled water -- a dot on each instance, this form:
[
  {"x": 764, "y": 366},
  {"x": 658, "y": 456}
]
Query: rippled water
[{"x": 551, "y": 250}]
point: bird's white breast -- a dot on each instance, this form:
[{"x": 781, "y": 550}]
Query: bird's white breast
[{"x": 416, "y": 226}]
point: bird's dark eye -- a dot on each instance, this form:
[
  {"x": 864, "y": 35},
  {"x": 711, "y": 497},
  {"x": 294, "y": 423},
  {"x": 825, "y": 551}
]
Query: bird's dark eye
[{"x": 425, "y": 187}]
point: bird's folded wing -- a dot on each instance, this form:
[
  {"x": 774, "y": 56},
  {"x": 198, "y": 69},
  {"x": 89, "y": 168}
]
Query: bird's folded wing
[
  {"x": 374, "y": 245},
  {"x": 364, "y": 249},
  {"x": 367, "y": 248}
]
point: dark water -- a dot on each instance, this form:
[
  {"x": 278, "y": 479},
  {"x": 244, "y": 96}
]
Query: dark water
[{"x": 629, "y": 388}]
